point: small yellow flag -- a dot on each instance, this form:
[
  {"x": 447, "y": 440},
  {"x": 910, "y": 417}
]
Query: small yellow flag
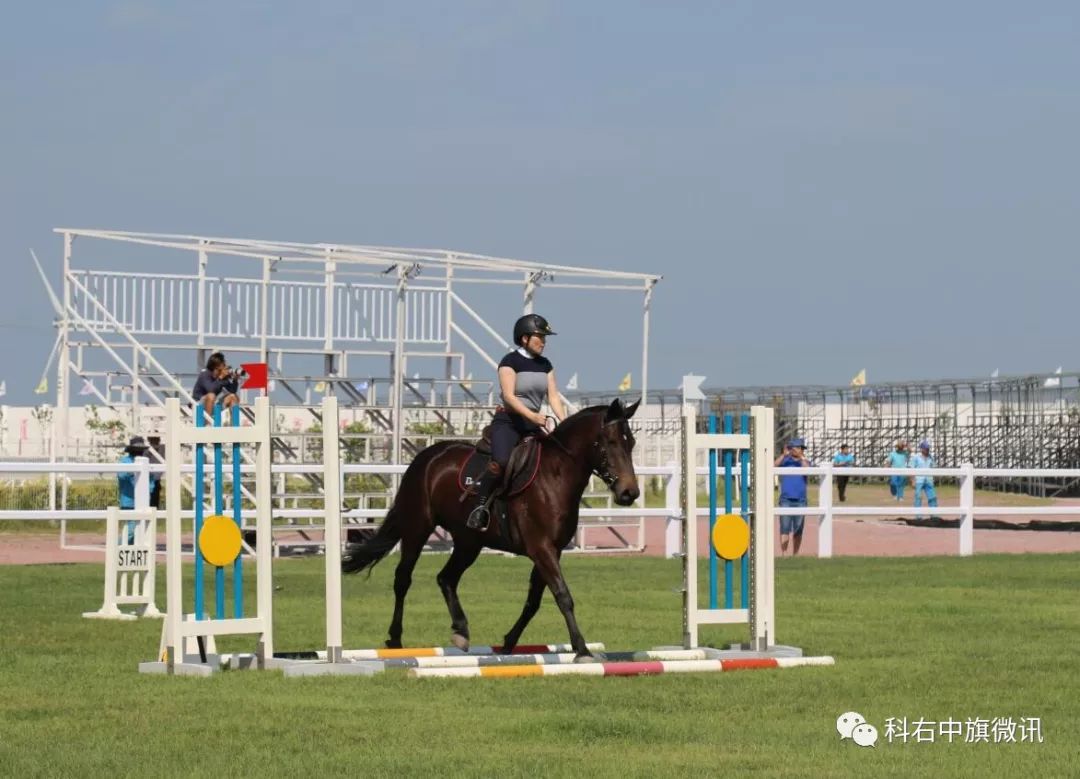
[
  {"x": 42, "y": 387},
  {"x": 860, "y": 379},
  {"x": 320, "y": 386},
  {"x": 624, "y": 385}
]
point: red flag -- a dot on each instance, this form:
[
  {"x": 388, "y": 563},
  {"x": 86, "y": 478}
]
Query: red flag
[{"x": 257, "y": 375}]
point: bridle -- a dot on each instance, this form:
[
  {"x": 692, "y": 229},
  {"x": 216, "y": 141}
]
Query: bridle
[{"x": 603, "y": 467}]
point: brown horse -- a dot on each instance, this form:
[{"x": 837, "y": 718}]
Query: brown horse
[{"x": 542, "y": 520}]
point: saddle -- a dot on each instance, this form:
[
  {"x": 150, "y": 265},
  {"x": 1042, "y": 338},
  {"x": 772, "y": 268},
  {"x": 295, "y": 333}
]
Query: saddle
[{"x": 520, "y": 471}]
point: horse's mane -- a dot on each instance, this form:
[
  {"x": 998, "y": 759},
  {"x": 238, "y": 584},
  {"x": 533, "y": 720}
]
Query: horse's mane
[{"x": 571, "y": 421}]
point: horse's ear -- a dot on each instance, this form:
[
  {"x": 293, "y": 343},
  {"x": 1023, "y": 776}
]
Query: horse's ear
[
  {"x": 614, "y": 411},
  {"x": 629, "y": 410}
]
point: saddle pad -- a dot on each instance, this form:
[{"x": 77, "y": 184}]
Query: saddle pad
[{"x": 521, "y": 471}]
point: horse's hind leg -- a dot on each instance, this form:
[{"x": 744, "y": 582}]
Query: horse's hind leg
[
  {"x": 410, "y": 553},
  {"x": 532, "y": 605},
  {"x": 464, "y": 555}
]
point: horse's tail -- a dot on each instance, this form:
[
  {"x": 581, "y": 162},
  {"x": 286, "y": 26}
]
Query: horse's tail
[{"x": 361, "y": 556}]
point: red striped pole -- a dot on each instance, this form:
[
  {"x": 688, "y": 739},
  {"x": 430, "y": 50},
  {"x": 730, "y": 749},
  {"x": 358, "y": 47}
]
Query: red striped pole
[{"x": 630, "y": 668}]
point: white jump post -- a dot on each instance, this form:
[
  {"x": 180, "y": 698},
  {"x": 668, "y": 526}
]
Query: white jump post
[
  {"x": 130, "y": 554},
  {"x": 759, "y": 591},
  {"x": 825, "y": 521},
  {"x": 332, "y": 487},
  {"x": 188, "y": 645},
  {"x": 760, "y": 616},
  {"x": 673, "y": 522},
  {"x": 336, "y": 661},
  {"x": 179, "y": 631}
]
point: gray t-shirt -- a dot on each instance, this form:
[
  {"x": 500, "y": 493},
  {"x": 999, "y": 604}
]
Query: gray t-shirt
[{"x": 531, "y": 380}]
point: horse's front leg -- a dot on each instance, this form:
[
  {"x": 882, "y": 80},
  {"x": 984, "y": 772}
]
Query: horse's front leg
[{"x": 546, "y": 560}]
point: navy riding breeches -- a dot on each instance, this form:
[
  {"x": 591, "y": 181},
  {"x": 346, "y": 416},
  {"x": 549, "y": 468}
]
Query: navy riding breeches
[{"x": 507, "y": 429}]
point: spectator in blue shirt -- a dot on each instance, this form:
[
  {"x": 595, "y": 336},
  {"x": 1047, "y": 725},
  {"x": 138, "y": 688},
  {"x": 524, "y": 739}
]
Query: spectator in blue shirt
[
  {"x": 842, "y": 459},
  {"x": 137, "y": 447},
  {"x": 898, "y": 458},
  {"x": 792, "y": 493},
  {"x": 924, "y": 483}
]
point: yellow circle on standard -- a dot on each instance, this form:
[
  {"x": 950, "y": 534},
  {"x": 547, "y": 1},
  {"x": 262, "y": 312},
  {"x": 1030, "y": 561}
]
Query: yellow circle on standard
[
  {"x": 219, "y": 540},
  {"x": 731, "y": 536}
]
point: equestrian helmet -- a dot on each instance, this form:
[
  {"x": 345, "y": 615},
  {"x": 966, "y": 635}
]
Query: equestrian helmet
[{"x": 531, "y": 324}]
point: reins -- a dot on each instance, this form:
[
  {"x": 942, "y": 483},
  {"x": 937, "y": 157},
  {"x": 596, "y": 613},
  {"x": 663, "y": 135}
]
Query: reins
[{"x": 603, "y": 469}]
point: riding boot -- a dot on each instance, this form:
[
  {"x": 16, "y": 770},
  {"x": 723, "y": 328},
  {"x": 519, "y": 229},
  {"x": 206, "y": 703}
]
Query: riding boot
[{"x": 489, "y": 483}]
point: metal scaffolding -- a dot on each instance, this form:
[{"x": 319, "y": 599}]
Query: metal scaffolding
[
  {"x": 1008, "y": 422},
  {"x": 136, "y": 337}
]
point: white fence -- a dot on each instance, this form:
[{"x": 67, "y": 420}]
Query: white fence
[
  {"x": 616, "y": 520},
  {"x": 966, "y": 510},
  {"x": 619, "y": 522}
]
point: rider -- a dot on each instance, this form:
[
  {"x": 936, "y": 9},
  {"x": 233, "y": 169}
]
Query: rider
[{"x": 526, "y": 377}]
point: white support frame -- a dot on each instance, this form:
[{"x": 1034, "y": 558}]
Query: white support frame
[
  {"x": 333, "y": 485},
  {"x": 180, "y": 631},
  {"x": 761, "y": 614},
  {"x": 130, "y": 564},
  {"x": 178, "y": 628}
]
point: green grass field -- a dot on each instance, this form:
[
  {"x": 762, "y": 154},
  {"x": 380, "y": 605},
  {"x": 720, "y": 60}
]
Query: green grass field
[{"x": 931, "y": 638}]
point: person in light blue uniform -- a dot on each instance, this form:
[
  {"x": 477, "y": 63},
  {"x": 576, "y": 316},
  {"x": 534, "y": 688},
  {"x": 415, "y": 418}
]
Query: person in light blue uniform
[
  {"x": 125, "y": 480},
  {"x": 924, "y": 483},
  {"x": 842, "y": 459},
  {"x": 898, "y": 458}
]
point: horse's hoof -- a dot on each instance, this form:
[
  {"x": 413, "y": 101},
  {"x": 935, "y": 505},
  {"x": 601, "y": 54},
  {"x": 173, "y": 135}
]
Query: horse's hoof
[
  {"x": 392, "y": 644},
  {"x": 460, "y": 642},
  {"x": 585, "y": 658}
]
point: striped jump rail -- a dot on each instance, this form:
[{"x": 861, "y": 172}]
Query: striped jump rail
[
  {"x": 632, "y": 668},
  {"x": 546, "y": 658}
]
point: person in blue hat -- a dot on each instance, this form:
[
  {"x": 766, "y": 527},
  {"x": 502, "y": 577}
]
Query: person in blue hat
[
  {"x": 792, "y": 493},
  {"x": 924, "y": 483},
  {"x": 898, "y": 458},
  {"x": 125, "y": 480}
]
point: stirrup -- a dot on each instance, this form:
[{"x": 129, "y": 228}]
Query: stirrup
[{"x": 479, "y": 517}]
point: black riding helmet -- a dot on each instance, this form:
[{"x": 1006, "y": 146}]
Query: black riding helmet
[{"x": 531, "y": 324}]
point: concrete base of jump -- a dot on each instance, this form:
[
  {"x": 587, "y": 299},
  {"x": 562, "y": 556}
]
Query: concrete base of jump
[
  {"x": 246, "y": 662},
  {"x": 733, "y": 651},
  {"x": 347, "y": 668},
  {"x": 433, "y": 651},
  {"x": 180, "y": 669}
]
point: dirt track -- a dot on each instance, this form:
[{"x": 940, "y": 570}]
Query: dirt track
[{"x": 869, "y": 537}]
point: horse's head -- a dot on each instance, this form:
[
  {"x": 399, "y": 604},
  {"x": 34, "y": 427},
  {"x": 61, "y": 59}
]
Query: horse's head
[{"x": 611, "y": 453}]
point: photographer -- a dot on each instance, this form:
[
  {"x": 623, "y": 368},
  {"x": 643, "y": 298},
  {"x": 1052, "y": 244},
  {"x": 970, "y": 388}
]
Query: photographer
[
  {"x": 792, "y": 493},
  {"x": 217, "y": 384}
]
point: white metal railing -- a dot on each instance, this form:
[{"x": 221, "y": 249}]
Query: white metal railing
[
  {"x": 609, "y": 518},
  {"x": 614, "y": 517},
  {"x": 966, "y": 509},
  {"x": 163, "y": 303}
]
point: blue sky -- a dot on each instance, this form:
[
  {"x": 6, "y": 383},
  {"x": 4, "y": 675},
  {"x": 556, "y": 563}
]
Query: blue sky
[{"x": 825, "y": 186}]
